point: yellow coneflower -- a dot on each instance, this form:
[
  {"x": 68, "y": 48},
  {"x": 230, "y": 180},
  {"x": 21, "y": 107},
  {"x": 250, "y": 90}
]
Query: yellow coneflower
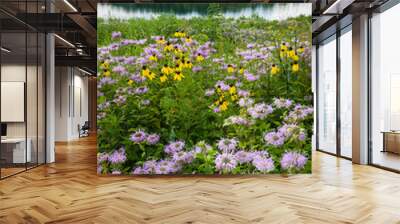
[
  {"x": 130, "y": 82},
  {"x": 104, "y": 65},
  {"x": 199, "y": 58},
  {"x": 300, "y": 50},
  {"x": 178, "y": 76},
  {"x": 163, "y": 78},
  {"x": 232, "y": 90},
  {"x": 179, "y": 34},
  {"x": 274, "y": 69},
  {"x": 188, "y": 64},
  {"x": 295, "y": 67},
  {"x": 295, "y": 57},
  {"x": 283, "y": 53},
  {"x": 168, "y": 47},
  {"x": 291, "y": 52},
  {"x": 160, "y": 41},
  {"x": 224, "y": 106},
  {"x": 153, "y": 58},
  {"x": 151, "y": 76},
  {"x": 188, "y": 39},
  {"x": 283, "y": 47},
  {"x": 107, "y": 73},
  {"x": 230, "y": 68},
  {"x": 241, "y": 70},
  {"x": 145, "y": 71},
  {"x": 166, "y": 70}
]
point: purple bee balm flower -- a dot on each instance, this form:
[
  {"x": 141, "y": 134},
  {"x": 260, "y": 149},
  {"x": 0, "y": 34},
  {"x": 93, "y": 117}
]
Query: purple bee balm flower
[
  {"x": 264, "y": 164},
  {"x": 138, "y": 78},
  {"x": 120, "y": 100},
  {"x": 130, "y": 60},
  {"x": 216, "y": 110},
  {"x": 150, "y": 166},
  {"x": 210, "y": 92},
  {"x": 260, "y": 110},
  {"x": 197, "y": 68},
  {"x": 145, "y": 102},
  {"x": 274, "y": 138},
  {"x": 153, "y": 139},
  {"x": 250, "y": 77},
  {"x": 302, "y": 136},
  {"x": 99, "y": 169},
  {"x": 141, "y": 90},
  {"x": 163, "y": 167},
  {"x": 221, "y": 84},
  {"x": 138, "y": 171},
  {"x": 293, "y": 160},
  {"x": 139, "y": 136},
  {"x": 225, "y": 162},
  {"x": 227, "y": 145},
  {"x": 288, "y": 129},
  {"x": 237, "y": 120},
  {"x": 102, "y": 157},
  {"x": 118, "y": 156},
  {"x": 245, "y": 102},
  {"x": 256, "y": 154},
  {"x": 243, "y": 157},
  {"x": 174, "y": 147},
  {"x": 282, "y": 103},
  {"x": 243, "y": 93},
  {"x": 251, "y": 45},
  {"x": 116, "y": 34},
  {"x": 183, "y": 157}
]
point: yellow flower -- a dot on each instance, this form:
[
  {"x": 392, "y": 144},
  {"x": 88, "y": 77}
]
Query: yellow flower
[
  {"x": 291, "y": 52},
  {"x": 166, "y": 70},
  {"x": 105, "y": 65},
  {"x": 241, "y": 70},
  {"x": 234, "y": 97},
  {"x": 145, "y": 71},
  {"x": 295, "y": 57},
  {"x": 187, "y": 64},
  {"x": 163, "y": 78},
  {"x": 232, "y": 90},
  {"x": 160, "y": 41},
  {"x": 179, "y": 34},
  {"x": 221, "y": 98},
  {"x": 216, "y": 102},
  {"x": 199, "y": 58},
  {"x": 178, "y": 67},
  {"x": 178, "y": 76},
  {"x": 107, "y": 73},
  {"x": 274, "y": 69},
  {"x": 224, "y": 106},
  {"x": 188, "y": 39},
  {"x": 283, "y": 53},
  {"x": 219, "y": 90},
  {"x": 168, "y": 47},
  {"x": 151, "y": 76},
  {"x": 300, "y": 50},
  {"x": 153, "y": 58},
  {"x": 230, "y": 69},
  {"x": 130, "y": 82},
  {"x": 295, "y": 67},
  {"x": 283, "y": 47}
]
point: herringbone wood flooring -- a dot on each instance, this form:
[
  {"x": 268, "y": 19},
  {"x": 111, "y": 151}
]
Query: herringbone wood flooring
[{"x": 70, "y": 192}]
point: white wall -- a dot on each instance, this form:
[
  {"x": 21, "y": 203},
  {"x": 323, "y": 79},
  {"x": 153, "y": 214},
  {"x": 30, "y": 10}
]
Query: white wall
[{"x": 71, "y": 102}]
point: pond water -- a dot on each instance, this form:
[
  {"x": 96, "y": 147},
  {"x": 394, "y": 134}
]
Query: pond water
[{"x": 276, "y": 11}]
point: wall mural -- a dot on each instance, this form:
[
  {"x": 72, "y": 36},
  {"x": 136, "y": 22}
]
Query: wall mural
[{"x": 204, "y": 89}]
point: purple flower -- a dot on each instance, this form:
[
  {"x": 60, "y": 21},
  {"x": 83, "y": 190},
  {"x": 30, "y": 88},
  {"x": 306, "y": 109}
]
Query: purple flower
[
  {"x": 153, "y": 139},
  {"x": 250, "y": 77},
  {"x": 138, "y": 78},
  {"x": 287, "y": 130},
  {"x": 237, "y": 120},
  {"x": 118, "y": 156},
  {"x": 120, "y": 100},
  {"x": 243, "y": 93},
  {"x": 138, "y": 137},
  {"x": 222, "y": 86},
  {"x": 119, "y": 69},
  {"x": 99, "y": 169},
  {"x": 216, "y": 110},
  {"x": 225, "y": 162},
  {"x": 102, "y": 157},
  {"x": 174, "y": 147},
  {"x": 141, "y": 90},
  {"x": 145, "y": 102},
  {"x": 243, "y": 157},
  {"x": 116, "y": 172},
  {"x": 260, "y": 110},
  {"x": 138, "y": 170},
  {"x": 264, "y": 164},
  {"x": 274, "y": 138},
  {"x": 183, "y": 157},
  {"x": 197, "y": 68},
  {"x": 302, "y": 136},
  {"x": 293, "y": 160},
  {"x": 245, "y": 102},
  {"x": 209, "y": 92},
  {"x": 116, "y": 34},
  {"x": 282, "y": 103},
  {"x": 227, "y": 145},
  {"x": 149, "y": 166}
]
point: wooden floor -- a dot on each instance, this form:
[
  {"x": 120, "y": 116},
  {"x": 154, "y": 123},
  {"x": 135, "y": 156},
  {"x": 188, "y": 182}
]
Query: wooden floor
[{"x": 70, "y": 192}]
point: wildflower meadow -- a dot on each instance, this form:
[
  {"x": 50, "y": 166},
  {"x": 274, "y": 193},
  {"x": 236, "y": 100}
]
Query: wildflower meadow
[{"x": 204, "y": 95}]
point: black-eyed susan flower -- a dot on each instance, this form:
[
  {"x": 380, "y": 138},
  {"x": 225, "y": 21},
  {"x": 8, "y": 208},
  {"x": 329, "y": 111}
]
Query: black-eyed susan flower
[
  {"x": 234, "y": 97},
  {"x": 187, "y": 64},
  {"x": 241, "y": 70},
  {"x": 153, "y": 57},
  {"x": 295, "y": 57},
  {"x": 168, "y": 47},
  {"x": 166, "y": 70},
  {"x": 230, "y": 68},
  {"x": 178, "y": 67},
  {"x": 282, "y": 53},
  {"x": 160, "y": 40},
  {"x": 188, "y": 39},
  {"x": 295, "y": 67},
  {"x": 163, "y": 78},
  {"x": 130, "y": 82},
  {"x": 107, "y": 73},
  {"x": 104, "y": 65},
  {"x": 300, "y": 50},
  {"x": 199, "y": 57},
  {"x": 145, "y": 71},
  {"x": 291, "y": 52},
  {"x": 179, "y": 34},
  {"x": 178, "y": 76},
  {"x": 274, "y": 69},
  {"x": 283, "y": 47},
  {"x": 232, "y": 89},
  {"x": 224, "y": 106}
]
